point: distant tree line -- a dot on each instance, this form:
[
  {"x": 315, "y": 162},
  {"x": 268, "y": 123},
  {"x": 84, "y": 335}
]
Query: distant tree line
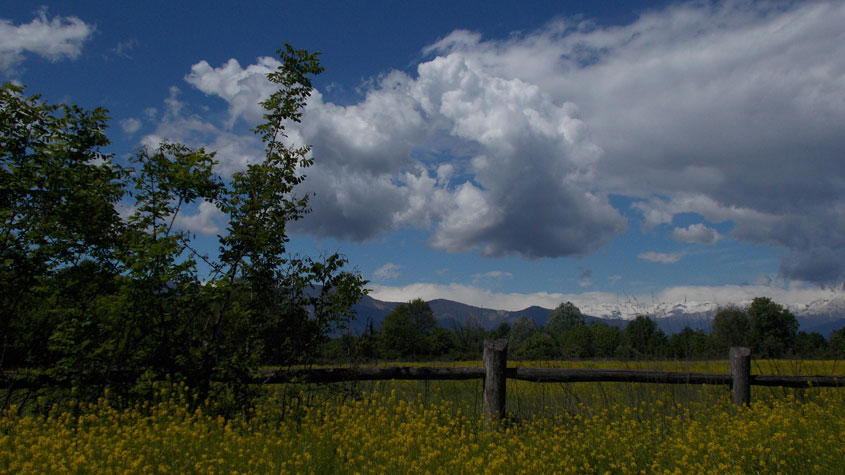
[{"x": 410, "y": 332}]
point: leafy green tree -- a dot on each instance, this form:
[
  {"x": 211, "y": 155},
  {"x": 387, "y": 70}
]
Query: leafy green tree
[
  {"x": 810, "y": 345},
  {"x": 441, "y": 341},
  {"x": 405, "y": 332},
  {"x": 345, "y": 348},
  {"x": 469, "y": 339},
  {"x": 300, "y": 298},
  {"x": 398, "y": 338},
  {"x": 689, "y": 343},
  {"x": 539, "y": 346},
  {"x": 147, "y": 328},
  {"x": 644, "y": 337},
  {"x": 563, "y": 318},
  {"x": 731, "y": 327},
  {"x": 773, "y": 327},
  {"x": 502, "y": 331},
  {"x": 56, "y": 211},
  {"x": 422, "y": 316},
  {"x": 521, "y": 330},
  {"x": 94, "y": 299},
  {"x": 577, "y": 342},
  {"x": 605, "y": 339}
]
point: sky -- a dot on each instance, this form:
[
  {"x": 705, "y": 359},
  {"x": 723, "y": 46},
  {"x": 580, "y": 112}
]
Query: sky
[{"x": 501, "y": 154}]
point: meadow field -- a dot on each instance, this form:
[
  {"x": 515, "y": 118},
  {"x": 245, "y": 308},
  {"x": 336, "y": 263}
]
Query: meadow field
[{"x": 436, "y": 427}]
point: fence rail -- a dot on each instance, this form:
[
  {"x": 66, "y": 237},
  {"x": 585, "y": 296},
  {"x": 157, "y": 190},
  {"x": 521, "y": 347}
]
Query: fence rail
[
  {"x": 368, "y": 373},
  {"x": 495, "y": 372},
  {"x": 536, "y": 375}
]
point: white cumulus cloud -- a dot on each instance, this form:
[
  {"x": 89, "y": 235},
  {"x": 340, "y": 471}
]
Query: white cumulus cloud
[
  {"x": 532, "y": 155},
  {"x": 697, "y": 233},
  {"x": 130, "y": 125},
  {"x": 388, "y": 271},
  {"x": 241, "y": 88},
  {"x": 54, "y": 39},
  {"x": 725, "y": 109},
  {"x": 728, "y": 110}
]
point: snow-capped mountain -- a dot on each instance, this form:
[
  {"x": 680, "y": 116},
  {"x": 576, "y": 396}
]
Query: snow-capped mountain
[
  {"x": 822, "y": 315},
  {"x": 832, "y": 308},
  {"x": 631, "y": 309}
]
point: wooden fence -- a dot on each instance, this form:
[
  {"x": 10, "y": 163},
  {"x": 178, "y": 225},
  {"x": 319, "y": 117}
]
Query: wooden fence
[{"x": 495, "y": 373}]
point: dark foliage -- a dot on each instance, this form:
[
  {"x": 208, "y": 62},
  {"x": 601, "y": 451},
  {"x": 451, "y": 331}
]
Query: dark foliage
[{"x": 91, "y": 300}]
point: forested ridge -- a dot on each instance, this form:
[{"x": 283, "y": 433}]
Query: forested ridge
[{"x": 411, "y": 331}]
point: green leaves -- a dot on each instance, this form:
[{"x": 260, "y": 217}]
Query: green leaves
[
  {"x": 57, "y": 196},
  {"x": 96, "y": 295},
  {"x": 172, "y": 172},
  {"x": 563, "y": 318},
  {"x": 260, "y": 201},
  {"x": 406, "y": 331},
  {"x": 58, "y": 188},
  {"x": 166, "y": 179},
  {"x": 773, "y": 327},
  {"x": 731, "y": 327},
  {"x": 294, "y": 79}
]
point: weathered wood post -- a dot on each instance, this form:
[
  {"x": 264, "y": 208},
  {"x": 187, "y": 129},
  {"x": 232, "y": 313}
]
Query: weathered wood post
[
  {"x": 740, "y": 358},
  {"x": 495, "y": 361}
]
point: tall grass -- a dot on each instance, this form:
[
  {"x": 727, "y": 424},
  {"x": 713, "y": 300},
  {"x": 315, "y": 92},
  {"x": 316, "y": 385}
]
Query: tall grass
[{"x": 435, "y": 427}]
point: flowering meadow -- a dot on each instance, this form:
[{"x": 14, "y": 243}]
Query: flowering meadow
[{"x": 436, "y": 427}]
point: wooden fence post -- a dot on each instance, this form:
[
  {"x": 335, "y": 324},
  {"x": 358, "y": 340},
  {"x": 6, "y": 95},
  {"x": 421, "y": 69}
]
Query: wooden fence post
[
  {"x": 495, "y": 361},
  {"x": 740, "y": 358}
]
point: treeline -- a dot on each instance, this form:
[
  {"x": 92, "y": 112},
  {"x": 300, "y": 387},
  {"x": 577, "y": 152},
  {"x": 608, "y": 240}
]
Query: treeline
[{"x": 411, "y": 332}]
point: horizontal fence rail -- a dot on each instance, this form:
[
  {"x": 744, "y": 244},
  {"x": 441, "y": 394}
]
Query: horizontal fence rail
[
  {"x": 495, "y": 372},
  {"x": 368, "y": 373},
  {"x": 555, "y": 375},
  {"x": 535, "y": 375}
]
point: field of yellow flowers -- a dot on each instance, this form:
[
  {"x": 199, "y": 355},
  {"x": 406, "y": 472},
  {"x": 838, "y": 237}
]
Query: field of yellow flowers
[{"x": 435, "y": 427}]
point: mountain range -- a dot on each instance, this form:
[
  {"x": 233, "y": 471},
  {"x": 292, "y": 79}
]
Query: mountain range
[{"x": 822, "y": 316}]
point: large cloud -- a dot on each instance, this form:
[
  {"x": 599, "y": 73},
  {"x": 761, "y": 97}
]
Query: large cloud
[
  {"x": 731, "y": 111},
  {"x": 241, "y": 88},
  {"x": 54, "y": 39},
  {"x": 530, "y": 191},
  {"x": 524, "y": 189}
]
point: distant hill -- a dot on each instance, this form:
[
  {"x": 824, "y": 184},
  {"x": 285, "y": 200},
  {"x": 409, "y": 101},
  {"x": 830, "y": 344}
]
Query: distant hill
[
  {"x": 821, "y": 316},
  {"x": 819, "y": 325},
  {"x": 451, "y": 314},
  {"x": 370, "y": 310}
]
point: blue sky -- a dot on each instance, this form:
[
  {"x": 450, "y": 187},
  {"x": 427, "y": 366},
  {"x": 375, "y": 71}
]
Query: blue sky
[{"x": 502, "y": 154}]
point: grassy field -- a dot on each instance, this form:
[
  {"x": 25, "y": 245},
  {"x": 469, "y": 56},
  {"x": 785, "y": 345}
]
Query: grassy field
[{"x": 435, "y": 427}]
